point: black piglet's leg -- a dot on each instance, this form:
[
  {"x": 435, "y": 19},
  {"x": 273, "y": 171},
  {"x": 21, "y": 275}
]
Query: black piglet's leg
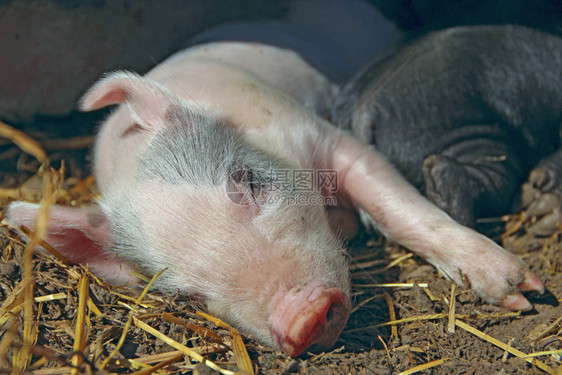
[
  {"x": 541, "y": 195},
  {"x": 475, "y": 174}
]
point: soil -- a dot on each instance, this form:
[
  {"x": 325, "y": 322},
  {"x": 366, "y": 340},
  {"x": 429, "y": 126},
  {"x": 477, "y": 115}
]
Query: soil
[{"x": 368, "y": 344}]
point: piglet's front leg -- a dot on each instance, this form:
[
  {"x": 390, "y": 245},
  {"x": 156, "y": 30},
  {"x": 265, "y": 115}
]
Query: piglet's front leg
[{"x": 405, "y": 216}]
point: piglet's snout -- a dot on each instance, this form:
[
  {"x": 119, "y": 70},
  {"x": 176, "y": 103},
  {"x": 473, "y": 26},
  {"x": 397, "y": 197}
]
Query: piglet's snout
[{"x": 309, "y": 318}]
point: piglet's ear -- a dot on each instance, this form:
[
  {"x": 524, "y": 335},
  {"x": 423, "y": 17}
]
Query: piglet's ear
[
  {"x": 81, "y": 234},
  {"x": 147, "y": 100}
]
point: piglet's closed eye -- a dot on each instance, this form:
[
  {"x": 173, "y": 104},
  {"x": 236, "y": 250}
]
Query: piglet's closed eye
[{"x": 81, "y": 234}]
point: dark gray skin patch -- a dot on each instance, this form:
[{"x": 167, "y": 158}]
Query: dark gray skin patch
[{"x": 201, "y": 151}]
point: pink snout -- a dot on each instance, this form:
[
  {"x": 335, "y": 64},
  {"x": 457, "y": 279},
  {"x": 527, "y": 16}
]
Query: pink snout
[{"x": 308, "y": 318}]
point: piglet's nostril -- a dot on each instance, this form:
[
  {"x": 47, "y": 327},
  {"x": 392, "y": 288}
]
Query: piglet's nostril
[{"x": 313, "y": 321}]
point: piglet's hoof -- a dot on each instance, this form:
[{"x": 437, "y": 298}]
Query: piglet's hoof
[
  {"x": 542, "y": 179},
  {"x": 541, "y": 199}
]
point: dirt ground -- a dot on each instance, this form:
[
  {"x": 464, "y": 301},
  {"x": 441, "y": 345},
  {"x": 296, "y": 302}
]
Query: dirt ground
[{"x": 462, "y": 336}]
